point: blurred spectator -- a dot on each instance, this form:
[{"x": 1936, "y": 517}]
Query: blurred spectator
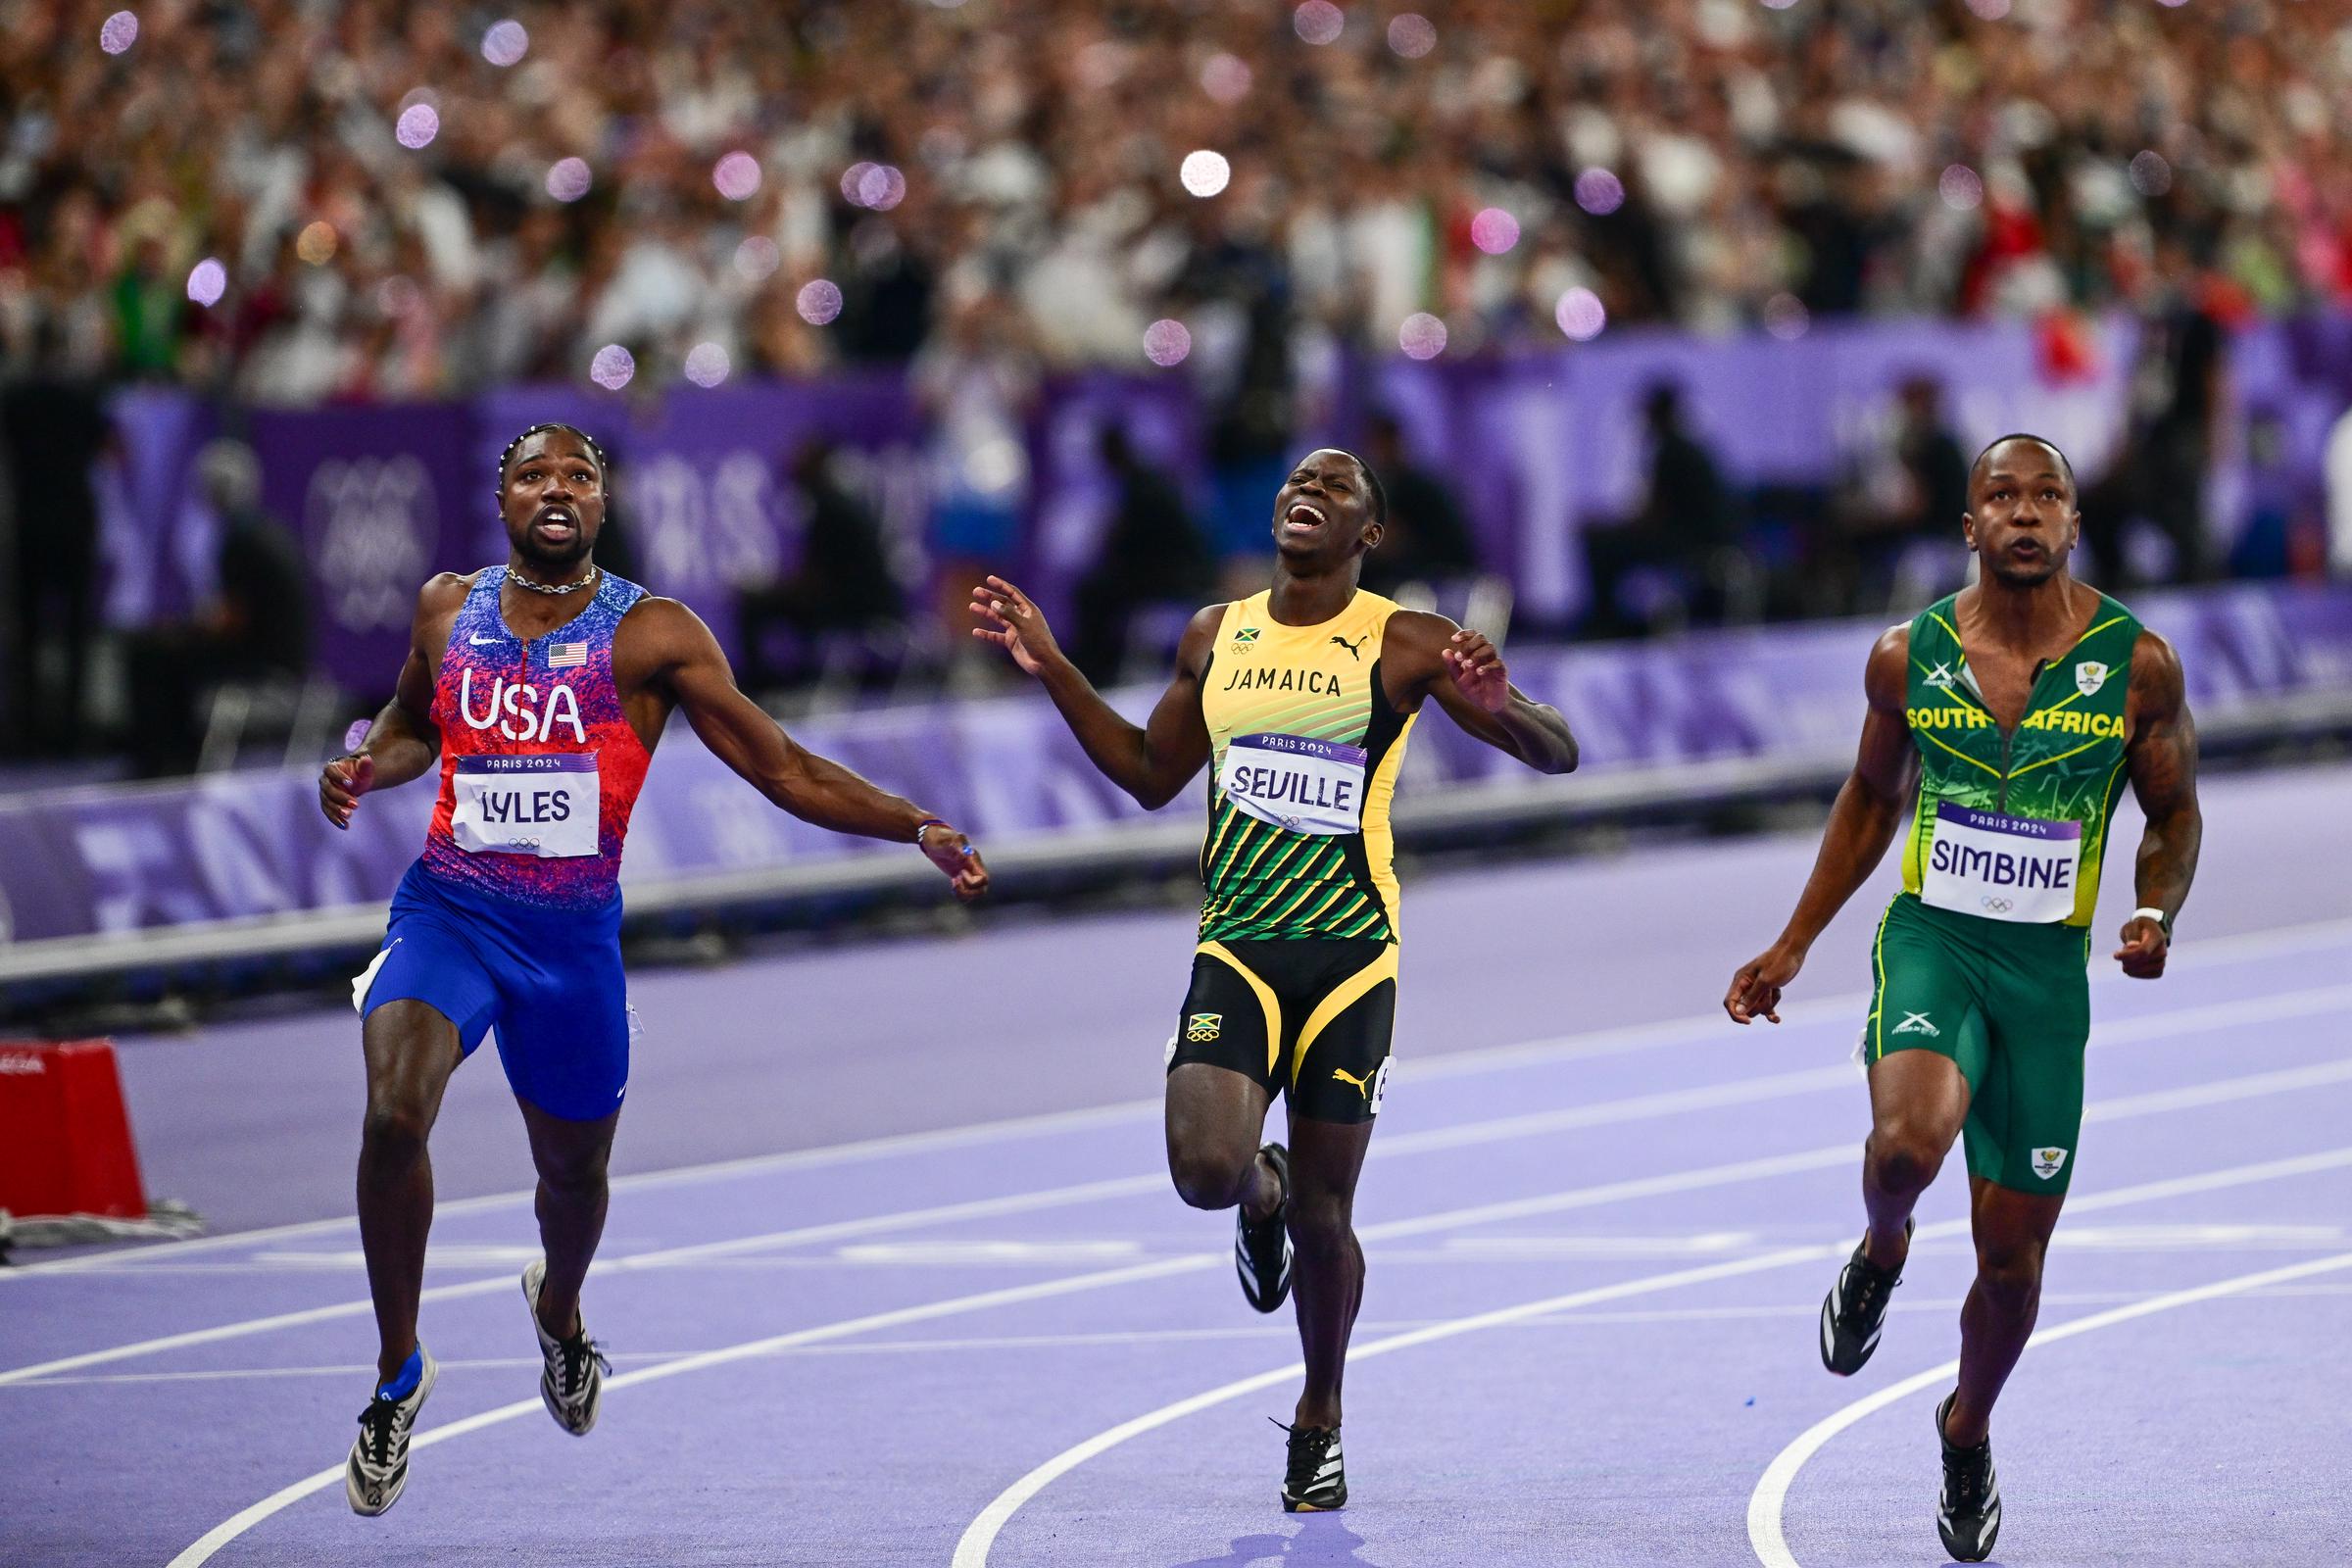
[
  {"x": 54, "y": 427},
  {"x": 257, "y": 626},
  {"x": 2339, "y": 497},
  {"x": 843, "y": 583},
  {"x": 1686, "y": 519},
  {"x": 1151, "y": 554},
  {"x": 1425, "y": 540},
  {"x": 1706, "y": 162},
  {"x": 1901, "y": 515},
  {"x": 2179, "y": 398},
  {"x": 976, "y": 384}
]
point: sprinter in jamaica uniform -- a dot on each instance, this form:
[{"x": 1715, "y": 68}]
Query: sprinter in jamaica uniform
[
  {"x": 1300, "y": 701},
  {"x": 2006, "y": 719}
]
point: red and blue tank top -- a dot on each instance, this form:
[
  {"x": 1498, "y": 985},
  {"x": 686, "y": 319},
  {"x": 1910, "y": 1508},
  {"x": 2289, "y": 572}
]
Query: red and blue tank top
[{"x": 539, "y": 766}]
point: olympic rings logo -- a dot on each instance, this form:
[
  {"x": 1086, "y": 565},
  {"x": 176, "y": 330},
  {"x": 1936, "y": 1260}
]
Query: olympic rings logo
[{"x": 1997, "y": 905}]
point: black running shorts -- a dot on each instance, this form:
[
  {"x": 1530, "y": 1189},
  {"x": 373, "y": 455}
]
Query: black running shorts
[{"x": 1309, "y": 1017}]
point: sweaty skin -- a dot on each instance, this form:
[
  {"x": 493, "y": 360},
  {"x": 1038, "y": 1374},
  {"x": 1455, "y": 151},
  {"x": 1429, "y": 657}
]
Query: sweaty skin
[
  {"x": 1322, "y": 528},
  {"x": 2025, "y": 610}
]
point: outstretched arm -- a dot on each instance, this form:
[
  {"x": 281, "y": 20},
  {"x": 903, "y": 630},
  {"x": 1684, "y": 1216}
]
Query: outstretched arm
[
  {"x": 1464, "y": 672},
  {"x": 403, "y": 741},
  {"x": 2163, "y": 759},
  {"x": 1150, "y": 762},
  {"x": 692, "y": 669},
  {"x": 1862, "y": 823}
]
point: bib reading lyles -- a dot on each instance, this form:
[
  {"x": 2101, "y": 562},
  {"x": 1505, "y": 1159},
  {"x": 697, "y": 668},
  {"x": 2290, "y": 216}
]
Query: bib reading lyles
[
  {"x": 544, "y": 806},
  {"x": 2017, "y": 868},
  {"x": 1303, "y": 785}
]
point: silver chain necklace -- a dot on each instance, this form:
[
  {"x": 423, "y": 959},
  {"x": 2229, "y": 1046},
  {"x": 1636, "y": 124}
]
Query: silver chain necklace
[{"x": 520, "y": 581}]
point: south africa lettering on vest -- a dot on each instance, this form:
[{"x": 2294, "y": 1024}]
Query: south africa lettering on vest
[
  {"x": 2017, "y": 868},
  {"x": 519, "y": 713},
  {"x": 1296, "y": 782}
]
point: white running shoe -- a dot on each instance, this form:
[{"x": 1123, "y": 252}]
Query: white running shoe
[
  {"x": 572, "y": 1384},
  {"x": 378, "y": 1470}
]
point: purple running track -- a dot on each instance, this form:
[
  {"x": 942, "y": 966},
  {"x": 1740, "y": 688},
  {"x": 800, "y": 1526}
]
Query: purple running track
[{"x": 1598, "y": 1221}]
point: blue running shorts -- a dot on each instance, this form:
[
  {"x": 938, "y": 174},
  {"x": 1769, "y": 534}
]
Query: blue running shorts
[{"x": 549, "y": 981}]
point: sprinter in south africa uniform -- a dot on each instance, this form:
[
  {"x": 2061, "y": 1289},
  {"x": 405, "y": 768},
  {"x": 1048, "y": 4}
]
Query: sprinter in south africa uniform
[
  {"x": 1300, "y": 700},
  {"x": 2003, "y": 724}
]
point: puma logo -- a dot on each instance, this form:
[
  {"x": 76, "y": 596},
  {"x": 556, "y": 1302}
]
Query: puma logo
[
  {"x": 1343, "y": 1074},
  {"x": 1354, "y": 651}
]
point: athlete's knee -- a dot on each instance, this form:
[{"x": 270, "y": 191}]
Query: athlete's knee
[
  {"x": 1322, "y": 1224},
  {"x": 1904, "y": 1156},
  {"x": 1207, "y": 1178},
  {"x": 576, "y": 1174},
  {"x": 396, "y": 1126},
  {"x": 2009, "y": 1275}
]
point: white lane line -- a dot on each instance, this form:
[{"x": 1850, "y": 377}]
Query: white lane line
[
  {"x": 235, "y": 1526},
  {"x": 1766, "y": 1502},
  {"x": 1605, "y": 1113},
  {"x": 1707, "y": 1027},
  {"x": 971, "y": 1552}
]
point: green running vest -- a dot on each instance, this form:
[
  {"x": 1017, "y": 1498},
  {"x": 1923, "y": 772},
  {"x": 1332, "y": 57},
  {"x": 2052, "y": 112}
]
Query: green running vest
[{"x": 2063, "y": 763}]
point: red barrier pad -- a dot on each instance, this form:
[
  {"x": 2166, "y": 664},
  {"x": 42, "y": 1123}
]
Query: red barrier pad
[{"x": 65, "y": 1136}]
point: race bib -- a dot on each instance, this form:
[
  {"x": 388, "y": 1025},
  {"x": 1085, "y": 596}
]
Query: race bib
[
  {"x": 542, "y": 806},
  {"x": 1306, "y": 786},
  {"x": 2002, "y": 867}
]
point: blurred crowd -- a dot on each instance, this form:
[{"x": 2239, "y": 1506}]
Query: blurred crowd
[{"x": 399, "y": 200}]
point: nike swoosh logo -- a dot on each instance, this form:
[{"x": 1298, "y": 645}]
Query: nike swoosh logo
[{"x": 478, "y": 639}]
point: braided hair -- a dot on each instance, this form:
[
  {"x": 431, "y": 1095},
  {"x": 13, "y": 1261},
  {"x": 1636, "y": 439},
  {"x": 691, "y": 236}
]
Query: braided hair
[{"x": 604, "y": 464}]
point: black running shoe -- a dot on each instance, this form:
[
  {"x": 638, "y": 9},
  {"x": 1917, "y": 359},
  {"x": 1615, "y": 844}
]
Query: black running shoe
[
  {"x": 1967, "y": 1511},
  {"x": 1261, "y": 1249},
  {"x": 1855, "y": 1309},
  {"x": 378, "y": 1472},
  {"x": 1313, "y": 1482}
]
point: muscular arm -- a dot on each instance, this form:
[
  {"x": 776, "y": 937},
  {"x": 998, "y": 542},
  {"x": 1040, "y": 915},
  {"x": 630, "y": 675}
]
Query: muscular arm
[
  {"x": 1466, "y": 675},
  {"x": 2161, "y": 755},
  {"x": 1862, "y": 823},
  {"x": 402, "y": 740},
  {"x": 1151, "y": 762}
]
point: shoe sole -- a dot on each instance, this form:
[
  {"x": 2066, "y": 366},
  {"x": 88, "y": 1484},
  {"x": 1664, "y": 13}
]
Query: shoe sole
[
  {"x": 1293, "y": 1505},
  {"x": 1241, "y": 1254},
  {"x": 1829, "y": 1341},
  {"x": 399, "y": 1479},
  {"x": 532, "y": 1278}
]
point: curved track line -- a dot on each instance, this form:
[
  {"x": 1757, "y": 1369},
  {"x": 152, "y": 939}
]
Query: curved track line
[
  {"x": 1616, "y": 1041},
  {"x": 971, "y": 1552},
  {"x": 1765, "y": 1504}
]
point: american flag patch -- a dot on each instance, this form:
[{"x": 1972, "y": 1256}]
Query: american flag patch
[{"x": 567, "y": 656}]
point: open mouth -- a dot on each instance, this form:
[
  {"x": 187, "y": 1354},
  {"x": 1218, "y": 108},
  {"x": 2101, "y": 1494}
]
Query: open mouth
[
  {"x": 1304, "y": 516},
  {"x": 556, "y": 523}
]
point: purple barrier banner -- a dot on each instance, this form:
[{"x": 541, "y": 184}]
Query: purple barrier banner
[{"x": 121, "y": 859}]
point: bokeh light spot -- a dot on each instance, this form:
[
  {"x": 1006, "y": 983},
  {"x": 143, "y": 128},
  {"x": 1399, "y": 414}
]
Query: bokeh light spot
[
  {"x": 1412, "y": 35},
  {"x": 758, "y": 256},
  {"x": 1204, "y": 173},
  {"x": 737, "y": 176},
  {"x": 568, "y": 180},
  {"x": 1962, "y": 188},
  {"x": 208, "y": 280},
  {"x": 1422, "y": 337},
  {"x": 881, "y": 187},
  {"x": 505, "y": 43},
  {"x": 316, "y": 244},
  {"x": 1318, "y": 21},
  {"x": 1599, "y": 192},
  {"x": 1494, "y": 231},
  {"x": 1778, "y": 5},
  {"x": 118, "y": 32},
  {"x": 1226, "y": 78},
  {"x": 1166, "y": 342},
  {"x": 853, "y": 183},
  {"x": 418, "y": 125},
  {"x": 706, "y": 365},
  {"x": 1579, "y": 314},
  {"x": 818, "y": 301},
  {"x": 2151, "y": 175},
  {"x": 1785, "y": 318},
  {"x": 1989, "y": 9},
  {"x": 613, "y": 366}
]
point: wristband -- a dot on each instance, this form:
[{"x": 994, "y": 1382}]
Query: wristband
[
  {"x": 928, "y": 823},
  {"x": 2163, "y": 920}
]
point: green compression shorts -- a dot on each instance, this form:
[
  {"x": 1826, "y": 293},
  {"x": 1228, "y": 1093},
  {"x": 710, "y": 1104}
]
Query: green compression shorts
[{"x": 2010, "y": 1004}]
